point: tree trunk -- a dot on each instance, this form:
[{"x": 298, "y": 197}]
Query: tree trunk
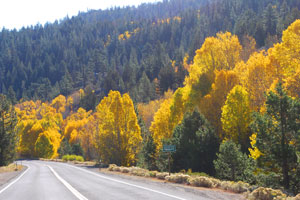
[{"x": 285, "y": 168}]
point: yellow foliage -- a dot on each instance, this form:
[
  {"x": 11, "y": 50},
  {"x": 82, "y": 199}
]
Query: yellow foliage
[
  {"x": 211, "y": 105},
  {"x": 287, "y": 53},
  {"x": 292, "y": 84},
  {"x": 36, "y": 120},
  {"x": 257, "y": 76},
  {"x": 118, "y": 135},
  {"x": 160, "y": 126},
  {"x": 74, "y": 126},
  {"x": 236, "y": 115},
  {"x": 59, "y": 103},
  {"x": 254, "y": 151},
  {"x": 221, "y": 52}
]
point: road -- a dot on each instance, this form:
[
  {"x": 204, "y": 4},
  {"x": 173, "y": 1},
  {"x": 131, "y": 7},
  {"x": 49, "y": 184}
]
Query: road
[{"x": 53, "y": 180}]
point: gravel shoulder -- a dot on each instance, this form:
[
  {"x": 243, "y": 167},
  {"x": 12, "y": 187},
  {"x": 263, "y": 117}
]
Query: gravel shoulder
[
  {"x": 216, "y": 194},
  {"x": 6, "y": 177}
]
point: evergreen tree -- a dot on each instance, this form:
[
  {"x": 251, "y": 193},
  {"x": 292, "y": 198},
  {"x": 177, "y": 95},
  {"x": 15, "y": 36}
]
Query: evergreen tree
[
  {"x": 8, "y": 135},
  {"x": 278, "y": 134},
  {"x": 196, "y": 144},
  {"x": 232, "y": 164}
]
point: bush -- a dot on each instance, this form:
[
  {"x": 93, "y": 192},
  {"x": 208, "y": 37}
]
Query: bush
[
  {"x": 73, "y": 158},
  {"x": 201, "y": 181},
  {"x": 178, "y": 178},
  {"x": 153, "y": 173},
  {"x": 162, "y": 175},
  {"x": 237, "y": 187},
  {"x": 111, "y": 167},
  {"x": 266, "y": 194},
  {"x": 139, "y": 171},
  {"x": 124, "y": 169}
]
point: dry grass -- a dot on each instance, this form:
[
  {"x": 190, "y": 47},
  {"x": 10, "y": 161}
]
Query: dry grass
[
  {"x": 86, "y": 163},
  {"x": 208, "y": 182},
  {"x": 201, "y": 181},
  {"x": 266, "y": 194},
  {"x": 139, "y": 171},
  {"x": 237, "y": 187},
  {"x": 162, "y": 175},
  {"x": 178, "y": 178},
  {"x": 10, "y": 168}
]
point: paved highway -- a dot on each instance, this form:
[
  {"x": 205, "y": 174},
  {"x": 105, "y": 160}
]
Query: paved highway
[{"x": 51, "y": 180}]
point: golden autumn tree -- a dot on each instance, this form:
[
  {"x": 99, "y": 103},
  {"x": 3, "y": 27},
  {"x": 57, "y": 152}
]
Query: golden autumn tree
[
  {"x": 59, "y": 103},
  {"x": 220, "y": 53},
  {"x": 74, "y": 125},
  {"x": 292, "y": 84},
  {"x": 287, "y": 53},
  {"x": 257, "y": 75},
  {"x": 236, "y": 116},
  {"x": 211, "y": 105},
  {"x": 39, "y": 129},
  {"x": 75, "y": 130},
  {"x": 161, "y": 127},
  {"x": 217, "y": 53},
  {"x": 118, "y": 135},
  {"x": 147, "y": 110},
  {"x": 27, "y": 127}
]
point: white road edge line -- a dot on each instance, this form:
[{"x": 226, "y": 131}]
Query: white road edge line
[
  {"x": 137, "y": 186},
  {"x": 73, "y": 190},
  {"x": 15, "y": 180}
]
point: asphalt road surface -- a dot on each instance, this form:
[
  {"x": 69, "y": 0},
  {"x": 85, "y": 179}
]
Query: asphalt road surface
[{"x": 51, "y": 180}]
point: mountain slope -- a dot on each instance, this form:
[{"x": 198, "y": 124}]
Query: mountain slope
[{"x": 129, "y": 49}]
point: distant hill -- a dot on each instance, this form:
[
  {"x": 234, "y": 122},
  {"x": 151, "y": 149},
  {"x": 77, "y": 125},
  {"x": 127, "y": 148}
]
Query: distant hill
[{"x": 136, "y": 50}]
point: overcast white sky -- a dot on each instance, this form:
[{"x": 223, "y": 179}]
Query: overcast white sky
[{"x": 19, "y": 13}]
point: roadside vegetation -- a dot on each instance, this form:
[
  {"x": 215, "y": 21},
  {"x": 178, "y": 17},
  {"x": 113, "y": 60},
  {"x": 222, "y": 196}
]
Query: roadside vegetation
[
  {"x": 10, "y": 168},
  {"x": 72, "y": 158},
  {"x": 250, "y": 192}
]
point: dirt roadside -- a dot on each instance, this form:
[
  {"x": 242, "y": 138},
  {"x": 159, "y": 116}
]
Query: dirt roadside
[
  {"x": 217, "y": 194},
  {"x": 6, "y": 177}
]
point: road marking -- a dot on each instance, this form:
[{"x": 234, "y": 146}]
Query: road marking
[
  {"x": 73, "y": 190},
  {"x": 15, "y": 180},
  {"x": 125, "y": 183}
]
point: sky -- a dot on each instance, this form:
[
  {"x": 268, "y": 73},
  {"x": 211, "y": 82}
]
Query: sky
[{"x": 19, "y": 13}]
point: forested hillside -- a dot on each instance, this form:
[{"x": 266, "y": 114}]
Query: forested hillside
[{"x": 137, "y": 50}]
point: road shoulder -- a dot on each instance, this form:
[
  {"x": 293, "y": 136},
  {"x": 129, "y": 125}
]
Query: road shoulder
[
  {"x": 6, "y": 177},
  {"x": 208, "y": 192}
]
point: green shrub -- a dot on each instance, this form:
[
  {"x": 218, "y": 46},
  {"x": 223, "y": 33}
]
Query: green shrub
[
  {"x": 65, "y": 157},
  {"x": 73, "y": 158},
  {"x": 79, "y": 159},
  {"x": 198, "y": 174}
]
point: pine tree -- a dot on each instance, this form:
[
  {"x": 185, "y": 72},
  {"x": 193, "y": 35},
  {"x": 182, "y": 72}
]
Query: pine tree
[
  {"x": 278, "y": 134},
  {"x": 8, "y": 135}
]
